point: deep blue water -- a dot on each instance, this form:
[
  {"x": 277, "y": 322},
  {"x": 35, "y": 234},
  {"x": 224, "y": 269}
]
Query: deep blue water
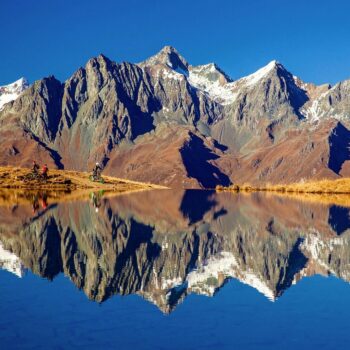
[
  {"x": 37, "y": 314},
  {"x": 313, "y": 312}
]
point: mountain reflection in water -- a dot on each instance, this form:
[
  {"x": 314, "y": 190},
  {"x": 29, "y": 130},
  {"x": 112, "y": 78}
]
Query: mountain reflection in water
[{"x": 164, "y": 245}]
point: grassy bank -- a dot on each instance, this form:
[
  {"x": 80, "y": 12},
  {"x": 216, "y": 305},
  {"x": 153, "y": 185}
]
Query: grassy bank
[
  {"x": 11, "y": 177},
  {"x": 339, "y": 186}
]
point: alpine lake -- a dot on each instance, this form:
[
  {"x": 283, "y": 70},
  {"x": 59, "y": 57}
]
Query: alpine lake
[{"x": 164, "y": 269}]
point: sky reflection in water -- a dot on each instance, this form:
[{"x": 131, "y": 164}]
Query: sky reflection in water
[{"x": 200, "y": 270}]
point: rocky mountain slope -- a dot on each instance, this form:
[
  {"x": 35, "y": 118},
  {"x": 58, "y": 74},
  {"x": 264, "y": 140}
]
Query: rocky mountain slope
[
  {"x": 171, "y": 249},
  {"x": 168, "y": 122}
]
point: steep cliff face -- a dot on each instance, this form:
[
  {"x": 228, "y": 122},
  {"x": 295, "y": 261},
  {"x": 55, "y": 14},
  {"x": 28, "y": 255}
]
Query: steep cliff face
[
  {"x": 166, "y": 121},
  {"x": 30, "y": 124},
  {"x": 170, "y": 249},
  {"x": 103, "y": 104}
]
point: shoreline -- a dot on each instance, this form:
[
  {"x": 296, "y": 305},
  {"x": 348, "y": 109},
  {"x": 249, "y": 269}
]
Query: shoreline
[
  {"x": 67, "y": 180},
  {"x": 317, "y": 187}
]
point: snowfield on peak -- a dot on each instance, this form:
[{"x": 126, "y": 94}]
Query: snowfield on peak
[
  {"x": 226, "y": 92},
  {"x": 208, "y": 79},
  {"x": 254, "y": 78},
  {"x": 216, "y": 90},
  {"x": 11, "y": 91}
]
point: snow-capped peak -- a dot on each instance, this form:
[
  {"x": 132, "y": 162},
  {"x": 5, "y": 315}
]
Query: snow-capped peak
[
  {"x": 208, "y": 79},
  {"x": 254, "y": 78},
  {"x": 217, "y": 85},
  {"x": 11, "y": 91},
  {"x": 212, "y": 81},
  {"x": 18, "y": 84},
  {"x": 211, "y": 72}
]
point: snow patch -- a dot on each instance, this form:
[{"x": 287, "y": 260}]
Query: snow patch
[
  {"x": 300, "y": 84},
  {"x": 319, "y": 108},
  {"x": 314, "y": 112},
  {"x": 225, "y": 265},
  {"x": 254, "y": 78},
  {"x": 225, "y": 93},
  {"x": 11, "y": 91},
  {"x": 171, "y": 282},
  {"x": 318, "y": 248},
  {"x": 172, "y": 74},
  {"x": 216, "y": 90},
  {"x": 10, "y": 262}
]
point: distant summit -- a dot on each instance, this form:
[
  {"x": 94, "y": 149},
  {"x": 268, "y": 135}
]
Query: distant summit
[{"x": 167, "y": 56}]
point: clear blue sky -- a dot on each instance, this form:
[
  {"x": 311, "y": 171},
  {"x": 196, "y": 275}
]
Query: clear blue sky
[{"x": 42, "y": 37}]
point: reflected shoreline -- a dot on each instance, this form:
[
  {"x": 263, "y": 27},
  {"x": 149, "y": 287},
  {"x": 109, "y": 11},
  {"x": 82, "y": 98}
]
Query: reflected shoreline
[{"x": 164, "y": 245}]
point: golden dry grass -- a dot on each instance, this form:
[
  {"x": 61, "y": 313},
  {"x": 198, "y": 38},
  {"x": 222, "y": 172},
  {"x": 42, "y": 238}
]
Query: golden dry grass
[
  {"x": 322, "y": 192},
  {"x": 339, "y": 186},
  {"x": 12, "y": 177}
]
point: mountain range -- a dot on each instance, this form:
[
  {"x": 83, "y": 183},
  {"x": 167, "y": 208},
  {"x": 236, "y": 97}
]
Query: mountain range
[{"x": 171, "y": 123}]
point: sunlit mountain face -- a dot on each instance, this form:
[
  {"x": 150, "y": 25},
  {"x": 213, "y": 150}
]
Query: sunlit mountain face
[
  {"x": 168, "y": 122},
  {"x": 164, "y": 245}
]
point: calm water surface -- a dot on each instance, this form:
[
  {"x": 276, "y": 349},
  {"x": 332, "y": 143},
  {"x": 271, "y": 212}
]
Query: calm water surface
[{"x": 173, "y": 270}]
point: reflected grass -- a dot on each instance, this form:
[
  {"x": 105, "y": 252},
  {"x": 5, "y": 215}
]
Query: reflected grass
[{"x": 325, "y": 191}]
